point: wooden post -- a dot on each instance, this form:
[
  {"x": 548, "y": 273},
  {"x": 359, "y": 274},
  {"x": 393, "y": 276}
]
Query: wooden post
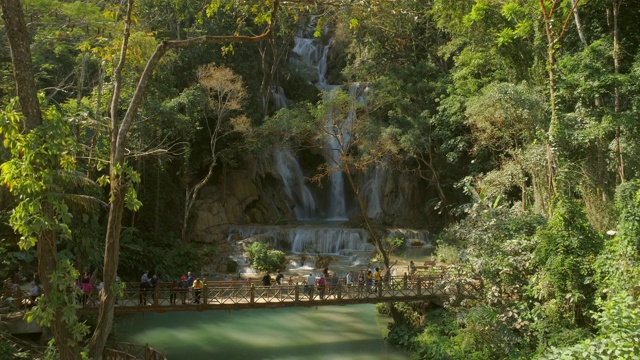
[
  {"x": 297, "y": 293},
  {"x": 252, "y": 294},
  {"x": 339, "y": 290},
  {"x": 379, "y": 284},
  {"x": 418, "y": 286},
  {"x": 405, "y": 280}
]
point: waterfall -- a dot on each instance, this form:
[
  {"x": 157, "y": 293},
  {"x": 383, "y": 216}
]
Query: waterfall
[
  {"x": 321, "y": 239},
  {"x": 280, "y": 101},
  {"x": 291, "y": 174},
  {"x": 371, "y": 192}
]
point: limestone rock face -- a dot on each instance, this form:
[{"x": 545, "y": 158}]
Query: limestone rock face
[{"x": 237, "y": 198}]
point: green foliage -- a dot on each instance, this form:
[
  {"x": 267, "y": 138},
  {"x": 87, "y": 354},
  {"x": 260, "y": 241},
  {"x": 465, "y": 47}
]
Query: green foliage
[
  {"x": 565, "y": 255},
  {"x": 448, "y": 254},
  {"x": 39, "y": 161},
  {"x": 618, "y": 265},
  {"x": 264, "y": 258},
  {"x": 8, "y": 352},
  {"x": 402, "y": 335},
  {"x": 64, "y": 297},
  {"x": 164, "y": 258},
  {"x": 618, "y": 323},
  {"x": 506, "y": 116},
  {"x": 394, "y": 244}
]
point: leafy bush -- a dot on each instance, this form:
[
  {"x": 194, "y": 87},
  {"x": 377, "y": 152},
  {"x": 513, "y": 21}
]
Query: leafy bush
[
  {"x": 395, "y": 244},
  {"x": 264, "y": 258},
  {"x": 618, "y": 338},
  {"x": 402, "y": 335},
  {"x": 448, "y": 254}
]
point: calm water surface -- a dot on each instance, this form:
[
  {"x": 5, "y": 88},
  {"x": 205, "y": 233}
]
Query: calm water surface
[{"x": 353, "y": 332}]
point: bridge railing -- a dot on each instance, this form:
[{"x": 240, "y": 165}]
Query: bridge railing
[
  {"x": 15, "y": 301},
  {"x": 445, "y": 284},
  {"x": 127, "y": 351}
]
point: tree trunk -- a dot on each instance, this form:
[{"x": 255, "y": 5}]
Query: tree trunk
[
  {"x": 111, "y": 257},
  {"x": 576, "y": 18},
  {"x": 616, "y": 67},
  {"x": 18, "y": 35},
  {"x": 553, "y": 40}
]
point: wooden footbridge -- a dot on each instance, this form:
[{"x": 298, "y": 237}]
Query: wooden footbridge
[
  {"x": 437, "y": 287},
  {"x": 237, "y": 295}
]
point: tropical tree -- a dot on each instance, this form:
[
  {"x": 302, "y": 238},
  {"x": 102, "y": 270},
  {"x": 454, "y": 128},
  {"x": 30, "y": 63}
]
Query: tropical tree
[
  {"x": 120, "y": 174},
  {"x": 225, "y": 93}
]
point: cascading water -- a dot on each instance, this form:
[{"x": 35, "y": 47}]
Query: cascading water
[
  {"x": 371, "y": 193},
  {"x": 290, "y": 171},
  {"x": 291, "y": 174}
]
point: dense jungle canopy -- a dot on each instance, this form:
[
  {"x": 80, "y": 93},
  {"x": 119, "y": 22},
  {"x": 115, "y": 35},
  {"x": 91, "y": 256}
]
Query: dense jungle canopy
[{"x": 519, "y": 117}]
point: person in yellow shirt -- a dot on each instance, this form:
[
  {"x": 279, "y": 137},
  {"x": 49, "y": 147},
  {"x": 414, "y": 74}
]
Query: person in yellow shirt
[
  {"x": 197, "y": 290},
  {"x": 378, "y": 282}
]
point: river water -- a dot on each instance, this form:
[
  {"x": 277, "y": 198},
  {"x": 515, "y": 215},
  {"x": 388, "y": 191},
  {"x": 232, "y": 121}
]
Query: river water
[{"x": 353, "y": 332}]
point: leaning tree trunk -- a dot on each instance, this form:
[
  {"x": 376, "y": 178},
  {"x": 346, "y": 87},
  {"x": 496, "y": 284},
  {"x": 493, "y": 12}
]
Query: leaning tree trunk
[
  {"x": 111, "y": 257},
  {"x": 374, "y": 236}
]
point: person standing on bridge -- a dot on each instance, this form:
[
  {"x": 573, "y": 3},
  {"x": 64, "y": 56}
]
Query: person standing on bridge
[
  {"x": 266, "y": 282},
  {"x": 197, "y": 290},
  {"x": 322, "y": 286},
  {"x": 173, "y": 292},
  {"x": 145, "y": 285},
  {"x": 333, "y": 283},
  {"x": 369, "y": 281},
  {"x": 311, "y": 282},
  {"x": 412, "y": 268},
  {"x": 266, "y": 279},
  {"x": 184, "y": 287},
  {"x": 279, "y": 277},
  {"x": 190, "y": 279},
  {"x": 378, "y": 278}
]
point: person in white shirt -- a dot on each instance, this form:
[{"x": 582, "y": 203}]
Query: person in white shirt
[{"x": 311, "y": 282}]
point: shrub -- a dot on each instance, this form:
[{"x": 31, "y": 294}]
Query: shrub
[
  {"x": 264, "y": 258},
  {"x": 447, "y": 254}
]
